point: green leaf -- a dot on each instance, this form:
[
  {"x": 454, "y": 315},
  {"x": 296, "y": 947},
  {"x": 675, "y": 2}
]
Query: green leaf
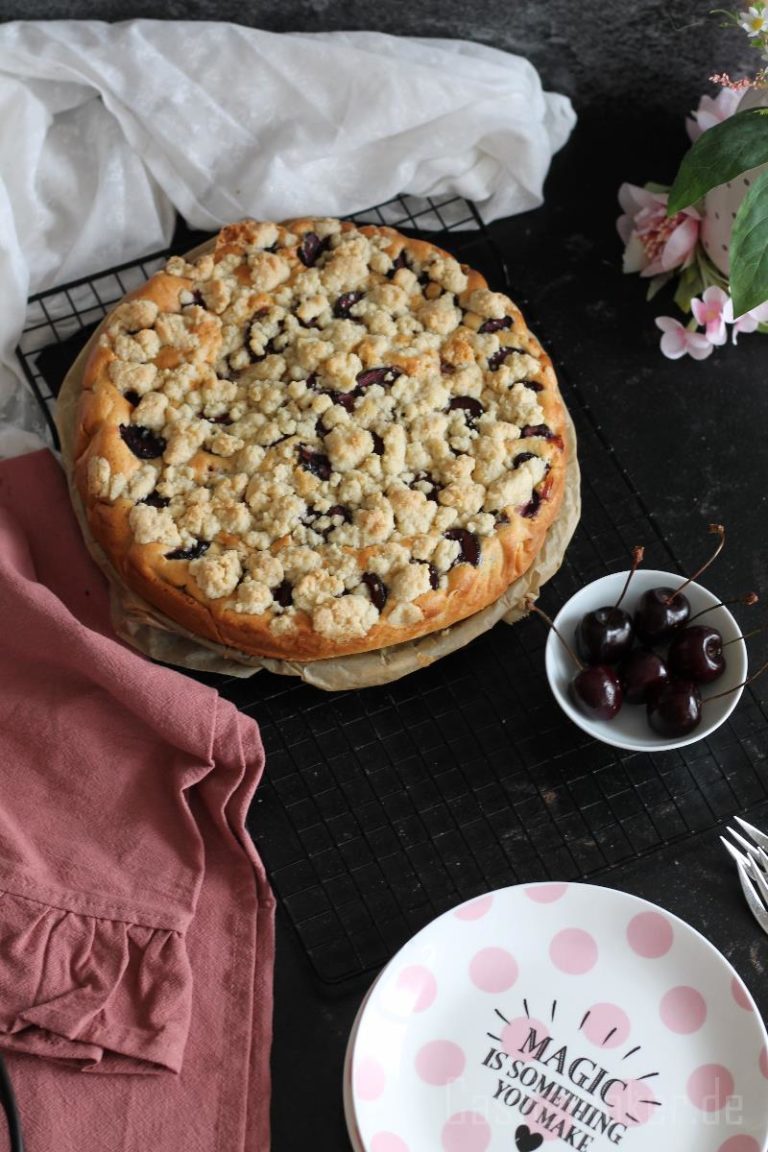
[
  {"x": 749, "y": 249},
  {"x": 657, "y": 283},
  {"x": 721, "y": 153},
  {"x": 689, "y": 285}
]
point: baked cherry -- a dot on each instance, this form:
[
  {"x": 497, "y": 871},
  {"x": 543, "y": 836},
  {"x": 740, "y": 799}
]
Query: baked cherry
[
  {"x": 311, "y": 248},
  {"x": 377, "y": 589},
  {"x": 641, "y": 672},
  {"x": 674, "y": 709},
  {"x": 697, "y": 654},
  {"x": 605, "y": 635},
  {"x": 494, "y": 325},
  {"x": 469, "y": 546},
  {"x": 344, "y": 302},
  {"x": 662, "y": 611},
  {"x": 190, "y": 553},
  {"x": 143, "y": 442}
]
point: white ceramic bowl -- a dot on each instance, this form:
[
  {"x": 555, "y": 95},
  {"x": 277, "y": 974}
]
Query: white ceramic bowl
[{"x": 630, "y": 728}]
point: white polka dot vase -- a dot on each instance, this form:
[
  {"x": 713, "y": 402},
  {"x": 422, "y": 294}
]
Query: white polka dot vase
[
  {"x": 723, "y": 202},
  {"x": 557, "y": 1016}
]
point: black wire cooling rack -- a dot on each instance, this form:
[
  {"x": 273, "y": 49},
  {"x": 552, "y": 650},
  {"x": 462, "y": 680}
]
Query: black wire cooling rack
[{"x": 381, "y": 808}]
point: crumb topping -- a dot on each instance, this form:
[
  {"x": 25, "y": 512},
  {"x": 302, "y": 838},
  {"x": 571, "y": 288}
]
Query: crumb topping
[{"x": 323, "y": 422}]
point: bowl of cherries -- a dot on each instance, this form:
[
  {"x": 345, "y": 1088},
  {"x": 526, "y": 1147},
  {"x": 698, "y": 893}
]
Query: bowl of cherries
[{"x": 647, "y": 660}]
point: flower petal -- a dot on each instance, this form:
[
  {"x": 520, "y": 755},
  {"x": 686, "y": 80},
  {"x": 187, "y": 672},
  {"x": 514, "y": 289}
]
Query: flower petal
[
  {"x": 635, "y": 259},
  {"x": 716, "y": 333},
  {"x": 698, "y": 346},
  {"x": 668, "y": 324},
  {"x": 671, "y": 346},
  {"x": 681, "y": 244}
]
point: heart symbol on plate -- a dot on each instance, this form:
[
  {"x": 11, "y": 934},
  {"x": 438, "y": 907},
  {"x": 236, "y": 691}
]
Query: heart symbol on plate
[{"x": 526, "y": 1140}]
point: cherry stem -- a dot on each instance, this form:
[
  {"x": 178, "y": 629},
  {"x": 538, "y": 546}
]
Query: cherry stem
[
  {"x": 743, "y": 684},
  {"x": 721, "y": 532},
  {"x": 749, "y": 598},
  {"x": 558, "y": 633},
  {"x": 745, "y": 636},
  {"x": 637, "y": 559}
]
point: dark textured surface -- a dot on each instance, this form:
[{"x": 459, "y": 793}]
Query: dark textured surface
[{"x": 648, "y": 53}]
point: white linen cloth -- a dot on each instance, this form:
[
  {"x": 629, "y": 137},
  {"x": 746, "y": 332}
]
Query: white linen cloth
[{"x": 107, "y": 129}]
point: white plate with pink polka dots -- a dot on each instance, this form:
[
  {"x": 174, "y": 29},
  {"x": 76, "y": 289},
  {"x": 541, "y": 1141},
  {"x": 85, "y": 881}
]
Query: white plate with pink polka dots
[{"x": 557, "y": 1016}]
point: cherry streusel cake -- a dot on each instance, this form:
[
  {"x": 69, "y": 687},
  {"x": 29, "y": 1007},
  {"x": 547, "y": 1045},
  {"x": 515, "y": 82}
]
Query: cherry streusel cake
[{"x": 319, "y": 439}]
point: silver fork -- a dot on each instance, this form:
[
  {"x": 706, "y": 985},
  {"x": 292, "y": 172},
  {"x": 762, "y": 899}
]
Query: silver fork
[{"x": 751, "y": 856}]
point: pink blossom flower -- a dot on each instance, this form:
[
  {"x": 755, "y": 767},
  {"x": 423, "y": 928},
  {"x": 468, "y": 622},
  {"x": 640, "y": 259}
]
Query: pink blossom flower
[
  {"x": 748, "y": 321},
  {"x": 654, "y": 242},
  {"x": 712, "y": 111},
  {"x": 678, "y": 340},
  {"x": 709, "y": 313}
]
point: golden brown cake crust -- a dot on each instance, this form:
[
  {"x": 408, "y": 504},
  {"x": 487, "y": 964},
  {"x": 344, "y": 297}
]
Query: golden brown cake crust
[{"x": 319, "y": 439}]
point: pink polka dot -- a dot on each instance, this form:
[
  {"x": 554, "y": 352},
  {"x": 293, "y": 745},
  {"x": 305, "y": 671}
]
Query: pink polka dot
[
  {"x": 632, "y": 1103},
  {"x": 370, "y": 1079},
  {"x": 740, "y": 1144},
  {"x": 388, "y": 1142},
  {"x": 650, "y": 935},
  {"x": 440, "y": 1062},
  {"x": 573, "y": 951},
  {"x": 522, "y": 1033},
  {"x": 607, "y": 1025},
  {"x": 493, "y": 970},
  {"x": 709, "y": 1087},
  {"x": 764, "y": 1062},
  {"x": 474, "y": 909},
  {"x": 413, "y": 991},
  {"x": 466, "y": 1132},
  {"x": 546, "y": 893},
  {"x": 739, "y": 993},
  {"x": 683, "y": 1010}
]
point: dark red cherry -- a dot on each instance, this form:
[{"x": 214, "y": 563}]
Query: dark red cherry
[
  {"x": 675, "y": 709},
  {"x": 660, "y": 613},
  {"x": 596, "y": 691},
  {"x": 697, "y": 654},
  {"x": 663, "y": 611},
  {"x": 604, "y": 636},
  {"x": 641, "y": 672}
]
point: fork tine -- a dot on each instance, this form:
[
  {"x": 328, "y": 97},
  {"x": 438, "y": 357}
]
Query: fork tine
[
  {"x": 753, "y": 900},
  {"x": 734, "y": 852},
  {"x": 758, "y": 836},
  {"x": 752, "y": 851},
  {"x": 762, "y": 887}
]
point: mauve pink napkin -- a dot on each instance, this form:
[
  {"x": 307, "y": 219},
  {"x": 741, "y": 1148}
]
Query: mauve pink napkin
[{"x": 136, "y": 922}]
